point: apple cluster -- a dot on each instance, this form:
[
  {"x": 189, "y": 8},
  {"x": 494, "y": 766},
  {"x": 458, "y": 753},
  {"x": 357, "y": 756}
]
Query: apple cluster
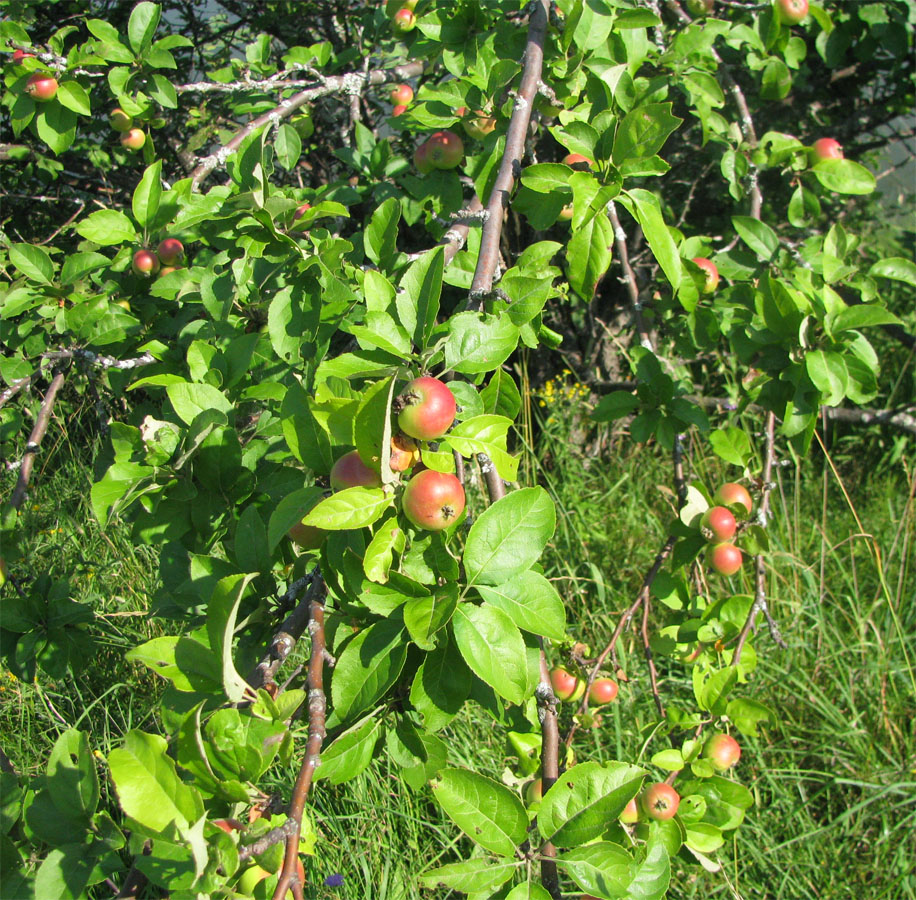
[
  {"x": 131, "y": 138},
  {"x": 167, "y": 258},
  {"x": 719, "y": 526},
  {"x": 569, "y": 688},
  {"x": 431, "y": 500},
  {"x": 401, "y": 97}
]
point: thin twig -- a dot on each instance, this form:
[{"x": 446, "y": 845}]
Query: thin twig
[
  {"x": 550, "y": 767},
  {"x": 35, "y": 439},
  {"x": 629, "y": 276}
]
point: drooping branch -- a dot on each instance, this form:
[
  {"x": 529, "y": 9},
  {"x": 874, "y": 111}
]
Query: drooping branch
[
  {"x": 35, "y": 439},
  {"x": 322, "y": 87},
  {"x": 510, "y": 165},
  {"x": 317, "y": 711}
]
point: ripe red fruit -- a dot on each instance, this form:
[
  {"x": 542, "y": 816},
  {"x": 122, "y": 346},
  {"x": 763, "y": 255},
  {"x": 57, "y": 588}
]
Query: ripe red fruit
[
  {"x": 718, "y": 524},
  {"x": 401, "y": 95},
  {"x": 445, "y": 150},
  {"x": 145, "y": 262},
  {"x": 712, "y": 273},
  {"x": 421, "y": 158},
  {"x": 350, "y": 471},
  {"x": 630, "y": 814},
  {"x": 792, "y": 11},
  {"x": 167, "y": 270},
  {"x": 433, "y": 500},
  {"x": 19, "y": 55},
  {"x": 41, "y": 86},
  {"x": 826, "y": 148},
  {"x": 723, "y": 751},
  {"x": 566, "y": 686},
  {"x": 405, "y": 454},
  {"x": 403, "y": 21},
  {"x": 725, "y": 559},
  {"x": 299, "y": 212},
  {"x": 228, "y": 825},
  {"x": 133, "y": 139},
  {"x": 120, "y": 121},
  {"x": 578, "y": 161},
  {"x": 731, "y": 494},
  {"x": 603, "y": 690},
  {"x": 399, "y": 110},
  {"x": 427, "y": 409},
  {"x": 660, "y": 801},
  {"x": 169, "y": 250}
]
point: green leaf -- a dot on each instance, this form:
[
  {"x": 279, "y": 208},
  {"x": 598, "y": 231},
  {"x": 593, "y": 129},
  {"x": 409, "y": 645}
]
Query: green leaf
[
  {"x": 77, "y": 265},
  {"x": 222, "y": 612},
  {"x": 470, "y": 875},
  {"x": 704, "y": 838},
  {"x": 485, "y": 434},
  {"x": 34, "y": 262},
  {"x": 350, "y": 752},
  {"x": 441, "y": 685},
  {"x": 72, "y": 780},
  {"x": 190, "y": 400},
  {"x": 73, "y": 95},
  {"x": 56, "y": 126},
  {"x": 896, "y": 267},
  {"x": 493, "y": 648},
  {"x": 424, "y": 616},
  {"x": 643, "y": 131},
  {"x": 368, "y": 666},
  {"x": 144, "y": 20},
  {"x": 380, "y": 240},
  {"x": 187, "y": 663},
  {"x": 290, "y": 510},
  {"x": 827, "y": 371},
  {"x": 615, "y": 405},
  {"x": 585, "y": 798},
  {"x": 532, "y": 602},
  {"x": 757, "y": 235},
  {"x": 486, "y": 811},
  {"x": 644, "y": 206},
  {"x": 509, "y": 536},
  {"x": 589, "y": 253},
  {"x": 654, "y": 872},
  {"x": 711, "y": 688},
  {"x": 603, "y": 869},
  {"x": 843, "y": 176},
  {"x": 731, "y": 444},
  {"x": 288, "y": 146},
  {"x": 862, "y": 315},
  {"x": 148, "y": 786},
  {"x": 748, "y": 714},
  {"x": 478, "y": 342},
  {"x": 377, "y": 560},
  {"x": 65, "y": 873},
  {"x": 354, "y": 507},
  {"x": 106, "y": 227},
  {"x": 145, "y": 202},
  {"x": 671, "y": 760},
  {"x": 546, "y": 177}
]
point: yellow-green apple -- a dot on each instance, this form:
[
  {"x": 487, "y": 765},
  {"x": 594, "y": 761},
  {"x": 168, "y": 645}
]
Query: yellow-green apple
[
  {"x": 41, "y": 86},
  {"x": 120, "y": 121},
  {"x": 254, "y": 875},
  {"x": 426, "y": 408},
  {"x": 534, "y": 791},
  {"x": 433, "y": 500},
  {"x": 630, "y": 814}
]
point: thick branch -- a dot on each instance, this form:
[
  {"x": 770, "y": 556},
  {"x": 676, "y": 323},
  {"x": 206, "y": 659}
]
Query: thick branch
[
  {"x": 510, "y": 166},
  {"x": 550, "y": 767}
]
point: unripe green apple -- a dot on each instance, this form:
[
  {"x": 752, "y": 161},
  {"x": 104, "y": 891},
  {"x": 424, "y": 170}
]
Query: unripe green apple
[
  {"x": 630, "y": 814},
  {"x": 120, "y": 121},
  {"x": 41, "y": 86},
  {"x": 534, "y": 791},
  {"x": 133, "y": 139},
  {"x": 254, "y": 875},
  {"x": 566, "y": 213}
]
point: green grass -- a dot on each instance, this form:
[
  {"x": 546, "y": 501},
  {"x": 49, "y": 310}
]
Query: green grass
[{"x": 834, "y": 780}]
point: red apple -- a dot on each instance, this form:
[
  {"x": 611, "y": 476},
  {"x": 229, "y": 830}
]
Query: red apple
[
  {"x": 120, "y": 121},
  {"x": 630, "y": 814},
  {"x": 422, "y": 160},
  {"x": 722, "y": 750},
  {"x": 726, "y": 559},
  {"x": 350, "y": 471},
  {"x": 19, "y": 55},
  {"x": 169, "y": 250},
  {"x": 401, "y": 95},
  {"x": 712, "y": 273},
  {"x": 578, "y": 161},
  {"x": 731, "y": 494},
  {"x": 792, "y": 11},
  {"x": 145, "y": 262},
  {"x": 399, "y": 110},
  {"x": 445, "y": 150},
  {"x": 603, "y": 690},
  {"x": 298, "y": 213},
  {"x": 228, "y": 825},
  {"x": 426, "y": 408},
  {"x": 133, "y": 139},
  {"x": 307, "y": 537},
  {"x": 660, "y": 801},
  {"x": 826, "y": 148},
  {"x": 167, "y": 270},
  {"x": 718, "y": 524},
  {"x": 403, "y": 21},
  {"x": 433, "y": 500},
  {"x": 566, "y": 686},
  {"x": 41, "y": 86}
]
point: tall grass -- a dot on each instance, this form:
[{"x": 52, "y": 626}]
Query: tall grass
[{"x": 834, "y": 780}]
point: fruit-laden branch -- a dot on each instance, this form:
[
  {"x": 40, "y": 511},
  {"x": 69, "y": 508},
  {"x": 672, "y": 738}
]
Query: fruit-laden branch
[
  {"x": 333, "y": 85},
  {"x": 35, "y": 439},
  {"x": 629, "y": 276},
  {"x": 317, "y": 707},
  {"x": 510, "y": 165},
  {"x": 760, "y": 571}
]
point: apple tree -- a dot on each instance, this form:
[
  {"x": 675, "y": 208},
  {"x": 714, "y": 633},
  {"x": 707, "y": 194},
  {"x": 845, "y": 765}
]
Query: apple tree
[{"x": 288, "y": 291}]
